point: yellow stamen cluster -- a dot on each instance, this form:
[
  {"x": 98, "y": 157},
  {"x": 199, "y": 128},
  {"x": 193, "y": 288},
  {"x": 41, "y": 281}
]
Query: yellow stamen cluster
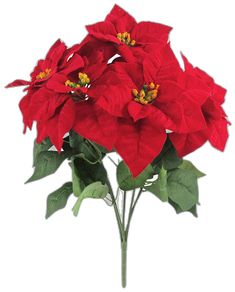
[
  {"x": 44, "y": 74},
  {"x": 84, "y": 80},
  {"x": 125, "y": 37},
  {"x": 147, "y": 94},
  {"x": 72, "y": 84}
]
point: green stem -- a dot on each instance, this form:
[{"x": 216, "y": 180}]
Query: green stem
[
  {"x": 121, "y": 225},
  {"x": 124, "y": 210},
  {"x": 132, "y": 208},
  {"x": 117, "y": 214},
  {"x": 124, "y": 260}
]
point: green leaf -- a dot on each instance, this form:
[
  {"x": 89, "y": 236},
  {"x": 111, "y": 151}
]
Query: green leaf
[
  {"x": 89, "y": 152},
  {"x": 159, "y": 186},
  {"x": 58, "y": 199},
  {"x": 101, "y": 148},
  {"x": 95, "y": 190},
  {"x": 75, "y": 140},
  {"x": 84, "y": 148},
  {"x": 47, "y": 162},
  {"x": 167, "y": 158},
  {"x": 183, "y": 188},
  {"x": 127, "y": 182},
  {"x": 178, "y": 210},
  {"x": 187, "y": 165},
  {"x": 90, "y": 173},
  {"x": 78, "y": 184},
  {"x": 37, "y": 148}
]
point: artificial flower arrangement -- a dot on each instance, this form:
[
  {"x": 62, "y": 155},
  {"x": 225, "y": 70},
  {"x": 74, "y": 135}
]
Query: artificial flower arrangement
[{"x": 122, "y": 90}]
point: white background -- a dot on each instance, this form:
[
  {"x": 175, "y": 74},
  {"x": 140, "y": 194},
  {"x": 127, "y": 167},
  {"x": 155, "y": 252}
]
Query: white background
[{"x": 167, "y": 252}]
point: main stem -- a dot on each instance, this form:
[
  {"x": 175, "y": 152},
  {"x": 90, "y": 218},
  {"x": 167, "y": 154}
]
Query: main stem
[
  {"x": 124, "y": 259},
  {"x": 124, "y": 228}
]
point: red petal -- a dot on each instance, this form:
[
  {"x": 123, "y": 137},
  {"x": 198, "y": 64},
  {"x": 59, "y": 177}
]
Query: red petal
[
  {"x": 95, "y": 71},
  {"x": 138, "y": 111},
  {"x": 57, "y": 83},
  {"x": 74, "y": 63},
  {"x": 56, "y": 51},
  {"x": 187, "y": 143},
  {"x": 104, "y": 31},
  {"x": 139, "y": 143},
  {"x": 66, "y": 120},
  {"x": 185, "y": 114},
  {"x": 218, "y": 133},
  {"x": 150, "y": 32},
  {"x": 161, "y": 65},
  {"x": 122, "y": 20},
  {"x": 17, "y": 82},
  {"x": 95, "y": 124},
  {"x": 114, "y": 99},
  {"x": 44, "y": 103},
  {"x": 41, "y": 132}
]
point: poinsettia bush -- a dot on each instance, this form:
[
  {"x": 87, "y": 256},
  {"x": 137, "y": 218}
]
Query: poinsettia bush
[{"x": 121, "y": 90}]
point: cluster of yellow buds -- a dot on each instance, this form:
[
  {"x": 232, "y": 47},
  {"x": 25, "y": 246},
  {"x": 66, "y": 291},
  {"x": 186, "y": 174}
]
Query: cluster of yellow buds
[
  {"x": 83, "y": 81},
  {"x": 43, "y": 74},
  {"x": 71, "y": 84},
  {"x": 125, "y": 37},
  {"x": 147, "y": 94}
]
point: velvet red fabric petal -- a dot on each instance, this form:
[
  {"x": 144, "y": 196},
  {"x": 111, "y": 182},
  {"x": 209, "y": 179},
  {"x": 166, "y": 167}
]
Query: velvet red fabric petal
[
  {"x": 150, "y": 32},
  {"x": 95, "y": 71},
  {"x": 24, "y": 108},
  {"x": 218, "y": 133},
  {"x": 75, "y": 63},
  {"x": 207, "y": 82},
  {"x": 93, "y": 123},
  {"x": 187, "y": 143},
  {"x": 57, "y": 83},
  {"x": 122, "y": 20},
  {"x": 138, "y": 111},
  {"x": 56, "y": 52},
  {"x": 139, "y": 143},
  {"x": 130, "y": 74},
  {"x": 94, "y": 49},
  {"x": 104, "y": 31},
  {"x": 41, "y": 131},
  {"x": 66, "y": 120},
  {"x": 114, "y": 100},
  {"x": 185, "y": 114},
  {"x": 219, "y": 93},
  {"x": 58, "y": 125},
  {"x": 161, "y": 65},
  {"x": 44, "y": 103},
  {"x": 17, "y": 82}
]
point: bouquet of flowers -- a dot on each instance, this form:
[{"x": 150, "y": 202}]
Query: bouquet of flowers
[{"x": 121, "y": 90}]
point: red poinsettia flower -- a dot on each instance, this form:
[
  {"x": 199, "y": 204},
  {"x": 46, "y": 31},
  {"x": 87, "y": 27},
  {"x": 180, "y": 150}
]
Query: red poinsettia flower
[
  {"x": 44, "y": 68},
  {"x": 216, "y": 131},
  {"x": 131, "y": 38},
  {"x": 78, "y": 76},
  {"x": 147, "y": 100}
]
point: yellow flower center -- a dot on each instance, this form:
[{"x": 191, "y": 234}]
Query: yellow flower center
[
  {"x": 147, "y": 94},
  {"x": 83, "y": 81},
  {"x": 43, "y": 74},
  {"x": 125, "y": 37}
]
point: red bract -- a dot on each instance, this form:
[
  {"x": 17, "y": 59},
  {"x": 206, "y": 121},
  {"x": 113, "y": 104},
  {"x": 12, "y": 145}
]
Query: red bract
[
  {"x": 131, "y": 38},
  {"x": 198, "y": 84},
  {"x": 45, "y": 68},
  {"x": 123, "y": 88},
  {"x": 147, "y": 100}
]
